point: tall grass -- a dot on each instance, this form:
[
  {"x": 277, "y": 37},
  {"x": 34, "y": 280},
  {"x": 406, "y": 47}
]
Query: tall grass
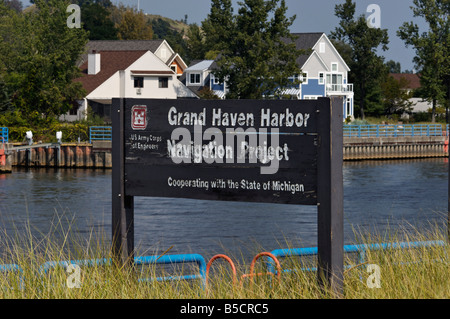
[{"x": 405, "y": 273}]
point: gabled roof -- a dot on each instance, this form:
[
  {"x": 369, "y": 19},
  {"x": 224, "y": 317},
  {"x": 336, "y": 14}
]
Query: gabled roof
[
  {"x": 110, "y": 63},
  {"x": 315, "y": 54},
  {"x": 200, "y": 66},
  {"x": 413, "y": 79},
  {"x": 120, "y": 45},
  {"x": 125, "y": 45},
  {"x": 304, "y": 41},
  {"x": 178, "y": 58}
]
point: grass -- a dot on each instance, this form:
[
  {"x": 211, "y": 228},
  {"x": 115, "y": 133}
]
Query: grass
[{"x": 404, "y": 273}]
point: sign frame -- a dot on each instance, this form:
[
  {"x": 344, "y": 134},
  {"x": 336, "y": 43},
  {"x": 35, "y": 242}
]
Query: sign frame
[{"x": 329, "y": 203}]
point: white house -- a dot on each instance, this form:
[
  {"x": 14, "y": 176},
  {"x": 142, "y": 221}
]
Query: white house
[
  {"x": 160, "y": 48},
  {"x": 127, "y": 73},
  {"x": 324, "y": 73},
  {"x": 413, "y": 83}
]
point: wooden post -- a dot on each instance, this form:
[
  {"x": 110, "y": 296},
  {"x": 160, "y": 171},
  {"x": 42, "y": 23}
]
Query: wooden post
[
  {"x": 330, "y": 195},
  {"x": 122, "y": 205}
]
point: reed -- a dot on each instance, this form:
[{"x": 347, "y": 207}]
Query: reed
[{"x": 404, "y": 273}]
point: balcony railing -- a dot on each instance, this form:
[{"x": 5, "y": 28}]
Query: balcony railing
[{"x": 339, "y": 88}]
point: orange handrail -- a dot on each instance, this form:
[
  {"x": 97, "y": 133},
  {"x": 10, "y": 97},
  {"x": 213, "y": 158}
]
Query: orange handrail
[
  {"x": 228, "y": 259},
  {"x": 252, "y": 268}
]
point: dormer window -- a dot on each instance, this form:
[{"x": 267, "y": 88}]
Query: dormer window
[{"x": 194, "y": 78}]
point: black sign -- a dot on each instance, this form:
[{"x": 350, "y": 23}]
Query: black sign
[
  {"x": 273, "y": 151},
  {"x": 257, "y": 151}
]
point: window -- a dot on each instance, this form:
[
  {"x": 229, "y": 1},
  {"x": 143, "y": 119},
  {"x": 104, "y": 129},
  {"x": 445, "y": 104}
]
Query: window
[
  {"x": 304, "y": 78},
  {"x": 334, "y": 67},
  {"x": 321, "y": 78},
  {"x": 163, "y": 82},
  {"x": 174, "y": 68},
  {"x": 322, "y": 47},
  {"x": 194, "y": 78},
  {"x": 139, "y": 82},
  {"x": 74, "y": 110}
]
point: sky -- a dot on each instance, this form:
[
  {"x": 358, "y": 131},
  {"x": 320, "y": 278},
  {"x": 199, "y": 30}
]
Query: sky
[{"x": 311, "y": 16}]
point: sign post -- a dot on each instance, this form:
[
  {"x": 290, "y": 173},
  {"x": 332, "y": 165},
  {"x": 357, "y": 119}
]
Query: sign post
[
  {"x": 122, "y": 204},
  {"x": 273, "y": 151},
  {"x": 330, "y": 206}
]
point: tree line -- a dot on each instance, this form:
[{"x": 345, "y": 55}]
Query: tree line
[{"x": 38, "y": 53}]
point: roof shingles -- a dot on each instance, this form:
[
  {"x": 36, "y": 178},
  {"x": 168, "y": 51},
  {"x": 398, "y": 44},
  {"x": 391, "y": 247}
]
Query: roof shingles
[{"x": 110, "y": 63}]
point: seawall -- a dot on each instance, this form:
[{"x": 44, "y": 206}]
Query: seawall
[
  {"x": 372, "y": 148},
  {"x": 68, "y": 155}
]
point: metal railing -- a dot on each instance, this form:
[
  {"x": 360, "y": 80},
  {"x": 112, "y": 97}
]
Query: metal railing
[
  {"x": 100, "y": 133},
  {"x": 272, "y": 267},
  {"x": 361, "y": 250},
  {"x": 4, "y": 135},
  {"x": 339, "y": 87},
  {"x": 398, "y": 130},
  {"x": 175, "y": 259}
]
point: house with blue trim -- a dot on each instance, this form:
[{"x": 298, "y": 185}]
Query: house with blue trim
[
  {"x": 324, "y": 73},
  {"x": 200, "y": 75}
]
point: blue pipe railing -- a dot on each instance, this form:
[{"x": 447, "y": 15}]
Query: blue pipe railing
[
  {"x": 175, "y": 259},
  {"x": 361, "y": 250},
  {"x": 139, "y": 261},
  {"x": 399, "y": 130},
  {"x": 4, "y": 135},
  {"x": 13, "y": 268},
  {"x": 100, "y": 133}
]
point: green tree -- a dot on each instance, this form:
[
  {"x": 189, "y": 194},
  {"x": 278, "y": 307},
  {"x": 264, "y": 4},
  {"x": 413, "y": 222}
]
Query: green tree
[
  {"x": 367, "y": 68},
  {"x": 219, "y": 27},
  {"x": 133, "y": 25},
  {"x": 393, "y": 67},
  {"x": 196, "y": 48},
  {"x": 255, "y": 59},
  {"x": 432, "y": 50},
  {"x": 396, "y": 99},
  {"x": 96, "y": 19},
  {"x": 39, "y": 54}
]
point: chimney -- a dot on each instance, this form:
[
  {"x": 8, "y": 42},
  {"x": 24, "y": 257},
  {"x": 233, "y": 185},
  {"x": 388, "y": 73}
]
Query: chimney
[{"x": 93, "y": 62}]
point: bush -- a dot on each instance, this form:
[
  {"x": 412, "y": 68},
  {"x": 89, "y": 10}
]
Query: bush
[{"x": 359, "y": 122}]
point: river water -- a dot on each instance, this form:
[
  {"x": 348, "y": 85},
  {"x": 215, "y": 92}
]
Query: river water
[{"x": 379, "y": 196}]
